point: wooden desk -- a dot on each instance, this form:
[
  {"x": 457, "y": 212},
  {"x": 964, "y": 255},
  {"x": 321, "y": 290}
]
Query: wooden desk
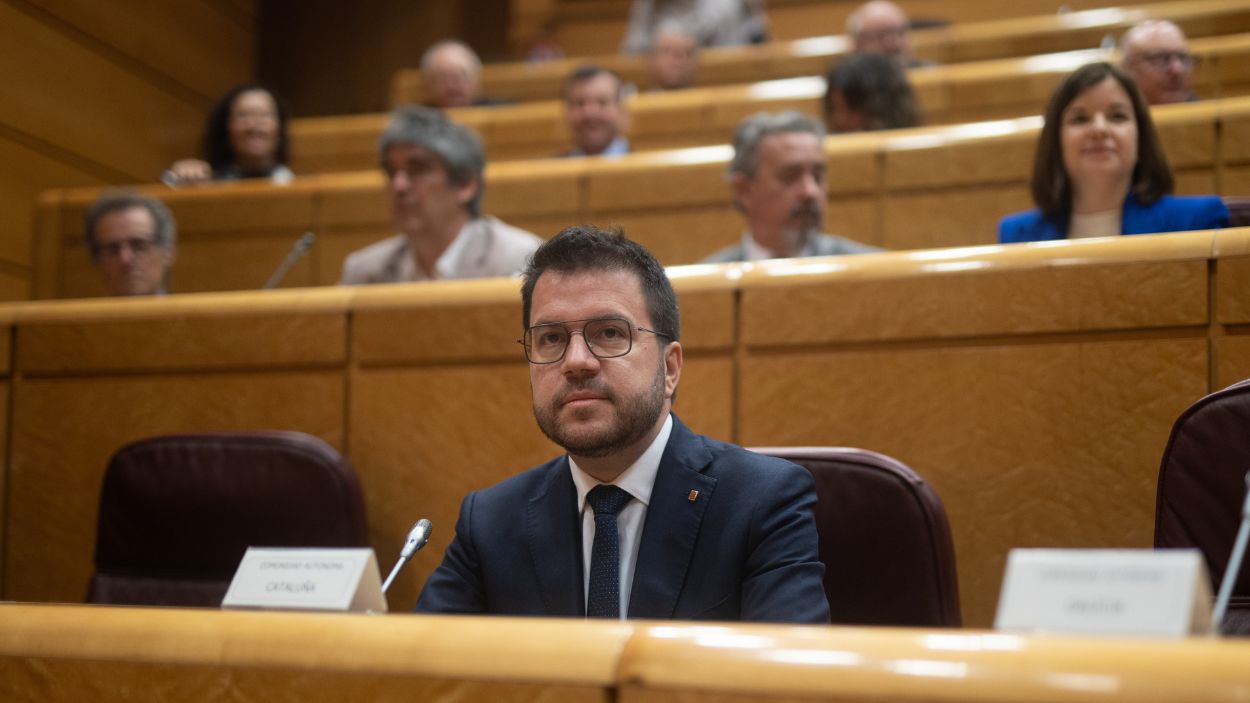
[{"x": 76, "y": 653}]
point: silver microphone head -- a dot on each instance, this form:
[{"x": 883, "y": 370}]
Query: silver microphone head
[{"x": 417, "y": 537}]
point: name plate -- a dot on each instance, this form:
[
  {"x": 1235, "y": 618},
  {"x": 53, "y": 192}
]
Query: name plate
[
  {"x": 307, "y": 579},
  {"x": 1131, "y": 592}
]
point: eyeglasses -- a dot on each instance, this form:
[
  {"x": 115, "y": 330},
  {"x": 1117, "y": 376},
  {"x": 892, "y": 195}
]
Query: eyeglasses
[
  {"x": 138, "y": 245},
  {"x": 606, "y": 337},
  {"x": 1164, "y": 59}
]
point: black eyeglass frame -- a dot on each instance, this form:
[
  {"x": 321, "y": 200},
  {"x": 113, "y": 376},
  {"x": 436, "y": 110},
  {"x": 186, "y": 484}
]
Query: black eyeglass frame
[{"x": 529, "y": 333}]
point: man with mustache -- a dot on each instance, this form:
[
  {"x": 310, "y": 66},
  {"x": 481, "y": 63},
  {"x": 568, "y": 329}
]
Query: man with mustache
[
  {"x": 777, "y": 178},
  {"x": 642, "y": 518}
]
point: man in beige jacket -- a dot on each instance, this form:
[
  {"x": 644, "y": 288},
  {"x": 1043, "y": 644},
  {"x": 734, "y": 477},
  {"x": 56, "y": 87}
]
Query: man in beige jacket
[{"x": 434, "y": 180}]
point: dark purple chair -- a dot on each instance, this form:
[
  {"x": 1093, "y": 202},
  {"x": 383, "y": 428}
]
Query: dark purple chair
[
  {"x": 1202, "y": 486},
  {"x": 884, "y": 539},
  {"x": 177, "y": 512},
  {"x": 1238, "y": 210}
]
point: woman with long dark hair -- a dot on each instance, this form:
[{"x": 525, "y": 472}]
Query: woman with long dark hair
[
  {"x": 245, "y": 137},
  {"x": 1100, "y": 169}
]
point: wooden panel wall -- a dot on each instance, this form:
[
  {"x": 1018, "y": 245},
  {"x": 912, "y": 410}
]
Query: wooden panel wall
[
  {"x": 104, "y": 93},
  {"x": 1034, "y": 386}
]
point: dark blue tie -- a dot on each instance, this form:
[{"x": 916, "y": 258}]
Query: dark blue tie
[{"x": 603, "y": 599}]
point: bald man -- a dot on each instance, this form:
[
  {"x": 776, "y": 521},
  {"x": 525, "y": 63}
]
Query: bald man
[
  {"x": 451, "y": 74},
  {"x": 1156, "y": 54},
  {"x": 880, "y": 27}
]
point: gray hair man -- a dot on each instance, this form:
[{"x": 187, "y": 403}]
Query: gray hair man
[
  {"x": 132, "y": 239},
  {"x": 1156, "y": 55},
  {"x": 434, "y": 179},
  {"x": 777, "y": 179}
]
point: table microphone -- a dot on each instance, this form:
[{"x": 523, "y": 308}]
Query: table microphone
[
  {"x": 302, "y": 245},
  {"x": 417, "y": 537},
  {"x": 1234, "y": 563}
]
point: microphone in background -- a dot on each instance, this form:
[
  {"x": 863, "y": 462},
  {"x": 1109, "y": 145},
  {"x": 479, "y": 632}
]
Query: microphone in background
[
  {"x": 417, "y": 537},
  {"x": 1234, "y": 563},
  {"x": 302, "y": 245}
]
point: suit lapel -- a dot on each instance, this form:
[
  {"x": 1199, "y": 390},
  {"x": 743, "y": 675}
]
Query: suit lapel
[
  {"x": 553, "y": 533},
  {"x": 672, "y": 525}
]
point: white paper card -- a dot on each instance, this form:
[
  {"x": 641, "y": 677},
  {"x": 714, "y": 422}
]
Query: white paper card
[
  {"x": 307, "y": 579},
  {"x": 1132, "y": 592}
]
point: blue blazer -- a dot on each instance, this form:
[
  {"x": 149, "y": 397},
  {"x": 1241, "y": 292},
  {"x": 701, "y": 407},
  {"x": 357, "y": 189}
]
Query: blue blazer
[
  {"x": 744, "y": 549},
  {"x": 1171, "y": 213}
]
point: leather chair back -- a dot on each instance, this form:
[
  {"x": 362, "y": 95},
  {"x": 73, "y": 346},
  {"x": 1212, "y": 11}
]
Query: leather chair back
[
  {"x": 884, "y": 539},
  {"x": 177, "y": 512},
  {"x": 1202, "y": 487}
]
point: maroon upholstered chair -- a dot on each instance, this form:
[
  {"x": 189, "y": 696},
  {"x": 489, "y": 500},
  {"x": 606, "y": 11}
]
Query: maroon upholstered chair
[
  {"x": 177, "y": 512},
  {"x": 1202, "y": 486},
  {"x": 884, "y": 539},
  {"x": 1238, "y": 210}
]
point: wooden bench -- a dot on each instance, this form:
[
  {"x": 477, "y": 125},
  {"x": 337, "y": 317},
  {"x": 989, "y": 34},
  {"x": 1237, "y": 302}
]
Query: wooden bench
[
  {"x": 907, "y": 189},
  {"x": 1005, "y": 375},
  {"x": 966, "y": 92},
  {"x": 964, "y": 41}
]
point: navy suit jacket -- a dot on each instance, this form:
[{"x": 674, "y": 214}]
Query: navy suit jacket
[
  {"x": 744, "y": 549},
  {"x": 1171, "y": 213}
]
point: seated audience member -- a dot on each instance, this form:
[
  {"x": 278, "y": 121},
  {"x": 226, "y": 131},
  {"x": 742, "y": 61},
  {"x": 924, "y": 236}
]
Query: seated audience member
[
  {"x": 674, "y": 59},
  {"x": 451, "y": 75},
  {"x": 245, "y": 137},
  {"x": 132, "y": 239},
  {"x": 867, "y": 92},
  {"x": 640, "y": 518},
  {"x": 594, "y": 110},
  {"x": 880, "y": 27},
  {"x": 711, "y": 22},
  {"x": 434, "y": 179},
  {"x": 1155, "y": 54},
  {"x": 1100, "y": 169},
  {"x": 777, "y": 178}
]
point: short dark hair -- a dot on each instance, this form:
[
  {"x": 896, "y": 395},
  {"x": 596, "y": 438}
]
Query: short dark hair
[
  {"x": 1052, "y": 187},
  {"x": 458, "y": 148},
  {"x": 875, "y": 85},
  {"x": 585, "y": 72},
  {"x": 588, "y": 248},
  {"x": 165, "y": 234},
  {"x": 217, "y": 149}
]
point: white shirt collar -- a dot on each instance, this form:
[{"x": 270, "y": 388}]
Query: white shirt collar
[
  {"x": 752, "y": 251},
  {"x": 637, "y": 480}
]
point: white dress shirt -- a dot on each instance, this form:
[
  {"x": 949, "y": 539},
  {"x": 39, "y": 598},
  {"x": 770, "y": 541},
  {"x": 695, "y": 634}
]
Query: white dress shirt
[{"x": 637, "y": 480}]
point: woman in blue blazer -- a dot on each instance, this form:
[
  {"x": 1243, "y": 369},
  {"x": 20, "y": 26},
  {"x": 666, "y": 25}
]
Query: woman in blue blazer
[{"x": 1100, "y": 169}]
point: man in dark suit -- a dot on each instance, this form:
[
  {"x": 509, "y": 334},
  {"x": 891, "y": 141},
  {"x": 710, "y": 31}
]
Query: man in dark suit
[{"x": 642, "y": 518}]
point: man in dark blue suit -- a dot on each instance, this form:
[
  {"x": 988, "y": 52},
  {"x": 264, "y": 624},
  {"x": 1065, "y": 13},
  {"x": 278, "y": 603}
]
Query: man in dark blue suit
[{"x": 642, "y": 518}]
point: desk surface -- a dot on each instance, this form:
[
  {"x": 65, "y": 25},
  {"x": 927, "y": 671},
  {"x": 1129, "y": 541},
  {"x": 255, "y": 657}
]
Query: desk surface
[{"x": 238, "y": 651}]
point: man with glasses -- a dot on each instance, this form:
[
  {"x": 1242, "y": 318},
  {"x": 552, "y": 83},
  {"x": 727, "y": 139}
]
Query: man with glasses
[
  {"x": 880, "y": 27},
  {"x": 1156, "y": 55},
  {"x": 642, "y": 518},
  {"x": 131, "y": 238}
]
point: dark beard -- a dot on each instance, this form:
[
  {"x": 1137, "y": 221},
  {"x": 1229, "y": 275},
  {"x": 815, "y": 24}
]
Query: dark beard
[{"x": 637, "y": 415}]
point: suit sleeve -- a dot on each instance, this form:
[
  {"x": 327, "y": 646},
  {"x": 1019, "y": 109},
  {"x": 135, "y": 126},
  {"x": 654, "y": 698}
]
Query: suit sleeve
[
  {"x": 456, "y": 585},
  {"x": 783, "y": 577}
]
